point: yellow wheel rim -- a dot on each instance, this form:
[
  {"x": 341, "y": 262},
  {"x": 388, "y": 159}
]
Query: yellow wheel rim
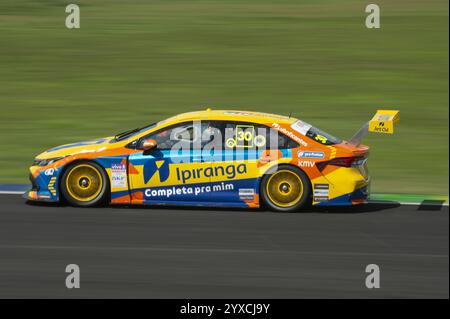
[
  {"x": 284, "y": 188},
  {"x": 84, "y": 182}
]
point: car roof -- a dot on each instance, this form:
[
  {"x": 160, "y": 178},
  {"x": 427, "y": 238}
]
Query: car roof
[{"x": 233, "y": 115}]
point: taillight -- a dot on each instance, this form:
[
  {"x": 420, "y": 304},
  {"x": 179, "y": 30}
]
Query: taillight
[{"x": 343, "y": 162}]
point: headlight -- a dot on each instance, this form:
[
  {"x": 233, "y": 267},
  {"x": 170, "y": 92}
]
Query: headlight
[{"x": 45, "y": 162}]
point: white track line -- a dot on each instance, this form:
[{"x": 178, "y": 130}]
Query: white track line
[
  {"x": 12, "y": 192},
  {"x": 406, "y": 203}
]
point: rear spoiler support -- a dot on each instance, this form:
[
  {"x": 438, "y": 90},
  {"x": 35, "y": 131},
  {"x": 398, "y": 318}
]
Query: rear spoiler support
[{"x": 382, "y": 122}]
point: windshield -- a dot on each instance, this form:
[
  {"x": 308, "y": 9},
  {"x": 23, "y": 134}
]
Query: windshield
[{"x": 127, "y": 134}]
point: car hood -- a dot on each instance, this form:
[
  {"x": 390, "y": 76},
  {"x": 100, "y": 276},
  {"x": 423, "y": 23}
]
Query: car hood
[{"x": 77, "y": 148}]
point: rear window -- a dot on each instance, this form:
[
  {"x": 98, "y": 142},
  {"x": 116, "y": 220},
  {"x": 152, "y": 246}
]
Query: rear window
[
  {"x": 322, "y": 137},
  {"x": 315, "y": 133}
]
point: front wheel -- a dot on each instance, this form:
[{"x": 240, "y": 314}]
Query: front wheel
[
  {"x": 285, "y": 190},
  {"x": 84, "y": 184}
]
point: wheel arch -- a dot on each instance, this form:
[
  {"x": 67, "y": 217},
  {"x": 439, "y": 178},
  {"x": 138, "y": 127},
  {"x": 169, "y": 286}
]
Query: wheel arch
[
  {"x": 81, "y": 160},
  {"x": 274, "y": 168}
]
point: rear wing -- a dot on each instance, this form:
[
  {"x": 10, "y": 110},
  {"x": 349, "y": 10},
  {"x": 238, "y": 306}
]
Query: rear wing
[{"x": 382, "y": 122}]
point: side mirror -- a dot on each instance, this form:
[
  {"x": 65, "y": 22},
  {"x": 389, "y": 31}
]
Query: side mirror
[{"x": 149, "y": 145}]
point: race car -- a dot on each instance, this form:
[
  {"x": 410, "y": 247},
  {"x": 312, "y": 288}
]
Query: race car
[{"x": 212, "y": 158}]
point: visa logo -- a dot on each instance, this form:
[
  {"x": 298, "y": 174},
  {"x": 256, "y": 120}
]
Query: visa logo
[{"x": 309, "y": 154}]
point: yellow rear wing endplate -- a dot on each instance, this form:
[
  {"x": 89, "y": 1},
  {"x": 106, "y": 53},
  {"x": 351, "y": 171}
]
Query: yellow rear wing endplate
[{"x": 383, "y": 121}]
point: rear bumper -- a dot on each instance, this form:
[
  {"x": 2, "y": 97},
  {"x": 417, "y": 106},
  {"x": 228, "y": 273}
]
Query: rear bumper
[
  {"x": 358, "y": 196},
  {"x": 343, "y": 187}
]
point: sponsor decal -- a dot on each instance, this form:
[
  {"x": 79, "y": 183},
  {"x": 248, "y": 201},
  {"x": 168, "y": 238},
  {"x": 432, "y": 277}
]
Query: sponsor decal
[
  {"x": 301, "y": 127},
  {"x": 49, "y": 172},
  {"x": 153, "y": 166},
  {"x": 237, "y": 113},
  {"x": 231, "y": 143},
  {"x": 118, "y": 175},
  {"x": 245, "y": 137},
  {"x": 246, "y": 193},
  {"x": 187, "y": 190},
  {"x": 320, "y": 138},
  {"x": 311, "y": 154},
  {"x": 290, "y": 134},
  {"x": 381, "y": 128},
  {"x": 306, "y": 164},
  {"x": 384, "y": 117},
  {"x": 321, "y": 192},
  {"x": 260, "y": 140},
  {"x": 229, "y": 171},
  {"x": 51, "y": 185},
  {"x": 187, "y": 174}
]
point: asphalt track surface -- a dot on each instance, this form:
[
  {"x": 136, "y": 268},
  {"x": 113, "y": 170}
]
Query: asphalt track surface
[{"x": 153, "y": 252}]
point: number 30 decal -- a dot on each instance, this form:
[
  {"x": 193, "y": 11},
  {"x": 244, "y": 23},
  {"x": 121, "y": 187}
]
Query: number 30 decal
[{"x": 245, "y": 138}]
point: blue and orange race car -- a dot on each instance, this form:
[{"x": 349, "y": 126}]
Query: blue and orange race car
[{"x": 212, "y": 158}]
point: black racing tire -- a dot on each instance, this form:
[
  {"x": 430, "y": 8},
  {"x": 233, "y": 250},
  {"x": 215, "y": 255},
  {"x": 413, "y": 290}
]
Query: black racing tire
[
  {"x": 286, "y": 189},
  {"x": 85, "y": 184}
]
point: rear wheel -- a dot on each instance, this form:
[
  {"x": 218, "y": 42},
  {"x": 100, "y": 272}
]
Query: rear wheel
[
  {"x": 285, "y": 190},
  {"x": 85, "y": 184}
]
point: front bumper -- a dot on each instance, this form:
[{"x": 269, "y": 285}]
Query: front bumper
[{"x": 43, "y": 185}]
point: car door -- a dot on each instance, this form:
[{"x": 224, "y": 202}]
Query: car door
[
  {"x": 173, "y": 171},
  {"x": 235, "y": 163},
  {"x": 247, "y": 151}
]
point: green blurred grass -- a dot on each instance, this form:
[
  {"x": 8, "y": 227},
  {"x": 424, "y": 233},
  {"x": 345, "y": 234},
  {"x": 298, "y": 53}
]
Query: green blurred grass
[{"x": 133, "y": 62}]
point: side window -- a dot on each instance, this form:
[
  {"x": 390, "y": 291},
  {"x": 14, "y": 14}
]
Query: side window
[
  {"x": 167, "y": 137},
  {"x": 197, "y": 134},
  {"x": 277, "y": 140},
  {"x": 286, "y": 142},
  {"x": 212, "y": 137},
  {"x": 244, "y": 135},
  {"x": 240, "y": 135}
]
